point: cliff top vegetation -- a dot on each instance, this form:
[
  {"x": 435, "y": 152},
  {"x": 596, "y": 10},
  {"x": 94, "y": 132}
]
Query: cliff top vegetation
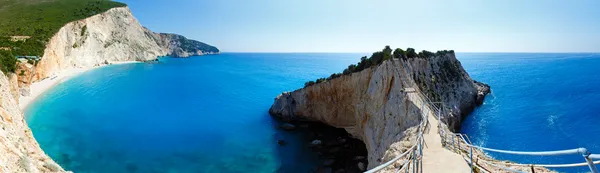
[
  {"x": 39, "y": 20},
  {"x": 379, "y": 57}
]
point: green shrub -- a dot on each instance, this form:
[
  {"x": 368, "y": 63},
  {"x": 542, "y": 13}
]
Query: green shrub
[
  {"x": 8, "y": 62},
  {"x": 351, "y": 69},
  {"x": 426, "y": 54},
  {"x": 83, "y": 30},
  {"x": 387, "y": 53},
  {"x": 334, "y": 75},
  {"x": 364, "y": 63},
  {"x": 378, "y": 58},
  {"x": 410, "y": 53},
  {"x": 309, "y": 83},
  {"x": 443, "y": 52},
  {"x": 399, "y": 53},
  {"x": 320, "y": 80}
]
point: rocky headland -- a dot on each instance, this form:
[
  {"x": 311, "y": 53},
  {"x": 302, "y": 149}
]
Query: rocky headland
[
  {"x": 114, "y": 36},
  {"x": 373, "y": 106}
]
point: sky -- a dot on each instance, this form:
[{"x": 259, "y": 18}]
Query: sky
[{"x": 369, "y": 25}]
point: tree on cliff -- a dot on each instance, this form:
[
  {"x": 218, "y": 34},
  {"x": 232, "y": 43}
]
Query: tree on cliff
[
  {"x": 8, "y": 63},
  {"x": 426, "y": 54},
  {"x": 399, "y": 53},
  {"x": 351, "y": 69},
  {"x": 387, "y": 53},
  {"x": 364, "y": 63},
  {"x": 379, "y": 57},
  {"x": 309, "y": 83},
  {"x": 410, "y": 53}
]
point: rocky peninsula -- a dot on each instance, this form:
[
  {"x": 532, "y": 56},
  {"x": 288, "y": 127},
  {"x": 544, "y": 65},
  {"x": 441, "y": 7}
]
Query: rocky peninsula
[
  {"x": 373, "y": 104},
  {"x": 114, "y": 36}
]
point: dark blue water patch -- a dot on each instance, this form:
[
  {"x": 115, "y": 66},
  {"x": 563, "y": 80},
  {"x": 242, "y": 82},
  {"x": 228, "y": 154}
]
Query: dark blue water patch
[
  {"x": 200, "y": 114},
  {"x": 539, "y": 102}
]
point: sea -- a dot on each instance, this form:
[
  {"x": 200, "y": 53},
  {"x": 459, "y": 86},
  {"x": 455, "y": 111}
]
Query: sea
[
  {"x": 539, "y": 102},
  {"x": 210, "y": 113}
]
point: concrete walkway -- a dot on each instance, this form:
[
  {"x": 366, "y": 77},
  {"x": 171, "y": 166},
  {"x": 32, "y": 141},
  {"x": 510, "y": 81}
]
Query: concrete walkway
[{"x": 435, "y": 157}]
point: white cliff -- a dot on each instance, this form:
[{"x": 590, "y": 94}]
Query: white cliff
[
  {"x": 110, "y": 37},
  {"x": 19, "y": 152},
  {"x": 373, "y": 105}
]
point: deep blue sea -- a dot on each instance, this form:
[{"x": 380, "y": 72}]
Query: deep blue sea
[
  {"x": 539, "y": 102},
  {"x": 209, "y": 113}
]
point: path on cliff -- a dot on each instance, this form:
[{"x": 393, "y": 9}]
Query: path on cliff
[{"x": 436, "y": 158}]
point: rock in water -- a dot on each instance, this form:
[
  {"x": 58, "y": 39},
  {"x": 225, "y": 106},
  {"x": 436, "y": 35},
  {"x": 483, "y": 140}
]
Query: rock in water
[
  {"x": 287, "y": 126},
  {"x": 361, "y": 166},
  {"x": 315, "y": 143},
  {"x": 281, "y": 142}
]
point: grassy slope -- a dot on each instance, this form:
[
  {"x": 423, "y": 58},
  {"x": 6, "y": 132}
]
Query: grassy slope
[{"x": 40, "y": 19}]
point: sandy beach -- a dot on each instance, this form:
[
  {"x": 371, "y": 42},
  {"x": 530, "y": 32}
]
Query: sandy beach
[{"x": 42, "y": 86}]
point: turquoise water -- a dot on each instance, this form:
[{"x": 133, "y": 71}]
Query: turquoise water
[
  {"x": 200, "y": 114},
  {"x": 209, "y": 113},
  {"x": 539, "y": 102}
]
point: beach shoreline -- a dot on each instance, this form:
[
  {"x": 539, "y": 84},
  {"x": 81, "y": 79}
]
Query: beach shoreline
[{"x": 39, "y": 87}]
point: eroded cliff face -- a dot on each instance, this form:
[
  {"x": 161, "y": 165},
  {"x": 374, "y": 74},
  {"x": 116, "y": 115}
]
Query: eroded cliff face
[
  {"x": 443, "y": 79},
  {"x": 374, "y": 106},
  {"x": 112, "y": 36},
  {"x": 19, "y": 150}
]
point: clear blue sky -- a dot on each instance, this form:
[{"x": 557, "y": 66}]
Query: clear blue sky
[{"x": 368, "y": 25}]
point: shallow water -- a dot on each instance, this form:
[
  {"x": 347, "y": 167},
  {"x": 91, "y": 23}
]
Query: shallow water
[
  {"x": 200, "y": 114},
  {"x": 539, "y": 102}
]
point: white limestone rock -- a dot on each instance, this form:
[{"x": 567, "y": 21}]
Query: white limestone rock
[{"x": 372, "y": 106}]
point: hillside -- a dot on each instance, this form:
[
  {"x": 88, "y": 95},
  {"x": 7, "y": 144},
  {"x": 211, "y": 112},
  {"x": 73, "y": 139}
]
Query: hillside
[{"x": 27, "y": 25}]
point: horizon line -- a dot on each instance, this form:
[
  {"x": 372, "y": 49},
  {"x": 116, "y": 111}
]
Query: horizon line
[{"x": 372, "y": 52}]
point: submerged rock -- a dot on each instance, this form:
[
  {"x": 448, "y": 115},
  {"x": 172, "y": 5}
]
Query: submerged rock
[
  {"x": 281, "y": 142},
  {"x": 361, "y": 166},
  {"x": 315, "y": 143},
  {"x": 287, "y": 126}
]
